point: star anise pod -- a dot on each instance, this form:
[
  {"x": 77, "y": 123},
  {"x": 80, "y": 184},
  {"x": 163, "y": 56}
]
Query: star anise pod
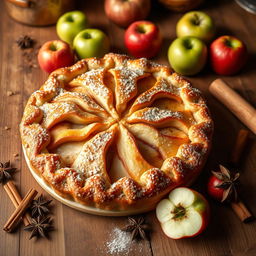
[
  {"x": 229, "y": 183},
  {"x": 40, "y": 227},
  {"x": 25, "y": 42},
  {"x": 137, "y": 228},
  {"x": 40, "y": 206},
  {"x": 6, "y": 171}
]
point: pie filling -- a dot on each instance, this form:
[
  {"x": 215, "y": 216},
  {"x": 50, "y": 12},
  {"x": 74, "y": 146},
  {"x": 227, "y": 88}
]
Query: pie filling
[{"x": 166, "y": 136}]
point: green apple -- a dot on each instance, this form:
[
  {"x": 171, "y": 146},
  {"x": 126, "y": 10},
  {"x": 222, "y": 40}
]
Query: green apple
[
  {"x": 91, "y": 43},
  {"x": 197, "y": 24},
  {"x": 187, "y": 55},
  {"x": 70, "y": 24}
]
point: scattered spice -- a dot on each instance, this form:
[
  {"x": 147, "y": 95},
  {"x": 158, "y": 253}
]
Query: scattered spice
[
  {"x": 40, "y": 206},
  {"x": 9, "y": 93},
  {"x": 26, "y": 42},
  {"x": 30, "y": 58},
  {"x": 7, "y": 128},
  {"x": 40, "y": 227},
  {"x": 229, "y": 183},
  {"x": 137, "y": 228},
  {"x": 29, "y": 52},
  {"x": 6, "y": 171}
]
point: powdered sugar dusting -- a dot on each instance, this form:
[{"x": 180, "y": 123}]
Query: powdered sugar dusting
[
  {"x": 156, "y": 114},
  {"x": 94, "y": 81},
  {"x": 66, "y": 94},
  {"x": 90, "y": 160},
  {"x": 127, "y": 80},
  {"x": 161, "y": 86},
  {"x": 35, "y": 136},
  {"x": 120, "y": 243},
  {"x": 52, "y": 111}
]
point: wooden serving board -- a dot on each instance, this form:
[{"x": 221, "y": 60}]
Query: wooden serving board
[{"x": 78, "y": 233}]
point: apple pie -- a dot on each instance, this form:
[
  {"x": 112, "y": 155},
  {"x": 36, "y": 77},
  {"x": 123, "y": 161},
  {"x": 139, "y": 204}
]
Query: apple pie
[{"x": 116, "y": 133}]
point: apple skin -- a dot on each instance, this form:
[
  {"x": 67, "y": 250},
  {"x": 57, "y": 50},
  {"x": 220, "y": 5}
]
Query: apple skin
[
  {"x": 199, "y": 205},
  {"x": 227, "y": 55},
  {"x": 123, "y": 13},
  {"x": 197, "y": 24},
  {"x": 213, "y": 190},
  {"x": 70, "y": 24},
  {"x": 187, "y": 55},
  {"x": 143, "y": 39},
  {"x": 91, "y": 43},
  {"x": 55, "y": 54}
]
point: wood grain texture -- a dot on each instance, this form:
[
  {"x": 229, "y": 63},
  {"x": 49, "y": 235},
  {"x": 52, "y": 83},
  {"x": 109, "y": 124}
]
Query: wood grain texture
[{"x": 83, "y": 234}]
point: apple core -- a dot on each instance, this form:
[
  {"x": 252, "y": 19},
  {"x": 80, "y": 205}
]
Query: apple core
[{"x": 179, "y": 212}]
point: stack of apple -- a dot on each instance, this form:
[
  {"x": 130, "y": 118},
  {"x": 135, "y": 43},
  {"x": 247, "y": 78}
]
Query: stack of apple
[
  {"x": 188, "y": 53},
  {"x": 72, "y": 29}
]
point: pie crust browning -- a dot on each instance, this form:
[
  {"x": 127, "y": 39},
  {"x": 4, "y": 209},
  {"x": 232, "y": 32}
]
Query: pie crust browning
[{"x": 132, "y": 116}]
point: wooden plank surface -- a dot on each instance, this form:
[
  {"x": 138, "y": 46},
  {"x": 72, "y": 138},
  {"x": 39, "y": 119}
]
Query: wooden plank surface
[{"x": 82, "y": 234}]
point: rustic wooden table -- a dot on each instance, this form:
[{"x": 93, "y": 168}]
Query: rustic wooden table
[{"x": 78, "y": 233}]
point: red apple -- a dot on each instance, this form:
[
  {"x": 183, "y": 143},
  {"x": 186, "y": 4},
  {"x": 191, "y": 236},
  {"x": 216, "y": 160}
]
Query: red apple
[
  {"x": 143, "y": 39},
  {"x": 55, "y": 54},
  {"x": 227, "y": 55},
  {"x": 213, "y": 188},
  {"x": 221, "y": 184},
  {"x": 185, "y": 213},
  {"x": 124, "y": 12}
]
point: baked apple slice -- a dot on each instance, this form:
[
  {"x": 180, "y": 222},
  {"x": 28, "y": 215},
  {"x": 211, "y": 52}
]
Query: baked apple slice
[
  {"x": 166, "y": 145},
  {"x": 66, "y": 111},
  {"x": 92, "y": 158},
  {"x": 125, "y": 85},
  {"x": 184, "y": 214},
  {"x": 82, "y": 100},
  {"x": 159, "y": 118},
  {"x": 93, "y": 81},
  {"x": 64, "y": 132},
  {"x": 129, "y": 154},
  {"x": 162, "y": 89}
]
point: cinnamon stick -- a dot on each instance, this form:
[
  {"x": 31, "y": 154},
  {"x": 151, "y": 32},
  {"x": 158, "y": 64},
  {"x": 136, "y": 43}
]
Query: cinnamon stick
[
  {"x": 241, "y": 140},
  {"x": 241, "y": 211},
  {"x": 20, "y": 210},
  {"x": 235, "y": 103},
  {"x": 16, "y": 199},
  {"x": 239, "y": 207}
]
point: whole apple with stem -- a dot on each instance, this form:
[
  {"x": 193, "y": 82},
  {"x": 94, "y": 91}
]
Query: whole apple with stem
[
  {"x": 187, "y": 55},
  {"x": 185, "y": 213},
  {"x": 55, "y": 54},
  {"x": 197, "y": 24},
  {"x": 91, "y": 43},
  {"x": 227, "y": 55},
  {"x": 124, "y": 12},
  {"x": 143, "y": 39},
  {"x": 70, "y": 24}
]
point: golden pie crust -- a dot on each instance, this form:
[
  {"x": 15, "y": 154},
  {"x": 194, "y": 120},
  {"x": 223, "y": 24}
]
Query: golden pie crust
[{"x": 116, "y": 133}]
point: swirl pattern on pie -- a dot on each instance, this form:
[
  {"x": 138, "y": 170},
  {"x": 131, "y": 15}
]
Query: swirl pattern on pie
[{"x": 116, "y": 133}]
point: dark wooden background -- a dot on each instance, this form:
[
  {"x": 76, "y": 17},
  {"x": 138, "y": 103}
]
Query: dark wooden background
[{"x": 83, "y": 234}]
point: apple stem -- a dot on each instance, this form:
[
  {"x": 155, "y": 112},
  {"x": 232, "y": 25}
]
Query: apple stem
[
  {"x": 188, "y": 44},
  {"x": 53, "y": 47},
  {"x": 141, "y": 30},
  {"x": 228, "y": 43},
  {"x": 197, "y": 20}
]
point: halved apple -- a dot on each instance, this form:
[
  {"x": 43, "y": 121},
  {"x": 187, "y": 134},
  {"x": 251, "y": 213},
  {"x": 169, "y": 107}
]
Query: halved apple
[{"x": 184, "y": 214}]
